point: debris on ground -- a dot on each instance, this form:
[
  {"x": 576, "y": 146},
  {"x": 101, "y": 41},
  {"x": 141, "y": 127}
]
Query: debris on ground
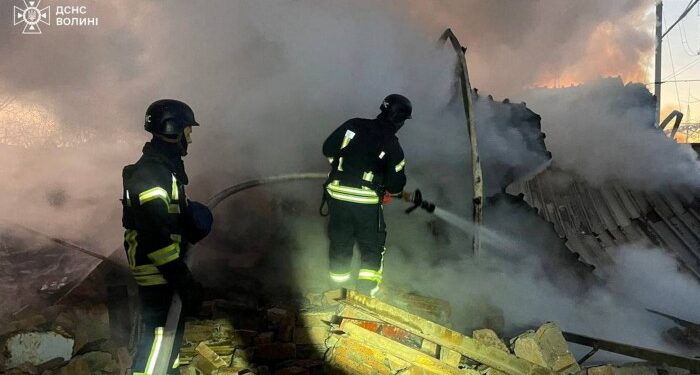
[{"x": 337, "y": 332}]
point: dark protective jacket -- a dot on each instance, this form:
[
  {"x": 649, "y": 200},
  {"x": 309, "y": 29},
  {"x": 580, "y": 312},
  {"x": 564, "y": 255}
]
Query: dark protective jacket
[
  {"x": 366, "y": 159},
  {"x": 159, "y": 220}
]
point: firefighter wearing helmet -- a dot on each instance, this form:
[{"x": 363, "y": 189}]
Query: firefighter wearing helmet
[
  {"x": 160, "y": 224},
  {"x": 367, "y": 168}
]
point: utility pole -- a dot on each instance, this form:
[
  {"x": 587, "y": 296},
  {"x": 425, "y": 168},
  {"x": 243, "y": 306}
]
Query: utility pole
[
  {"x": 657, "y": 64},
  {"x": 659, "y": 37}
]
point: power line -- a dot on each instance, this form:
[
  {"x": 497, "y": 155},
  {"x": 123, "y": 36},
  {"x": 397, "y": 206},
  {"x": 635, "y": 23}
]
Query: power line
[
  {"x": 685, "y": 12},
  {"x": 684, "y": 40},
  {"x": 684, "y": 69}
]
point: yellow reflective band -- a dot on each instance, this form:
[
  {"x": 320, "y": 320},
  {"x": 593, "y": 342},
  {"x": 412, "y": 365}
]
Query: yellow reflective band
[
  {"x": 155, "y": 351},
  {"x": 366, "y": 274},
  {"x": 368, "y": 176},
  {"x": 144, "y": 270},
  {"x": 154, "y": 193},
  {"x": 353, "y": 198},
  {"x": 176, "y": 364},
  {"x": 175, "y": 193},
  {"x": 130, "y": 237},
  {"x": 381, "y": 262},
  {"x": 400, "y": 166},
  {"x": 128, "y": 199},
  {"x": 150, "y": 280},
  {"x": 381, "y": 155},
  {"x": 340, "y": 277},
  {"x": 165, "y": 255},
  {"x": 365, "y": 192},
  {"x": 349, "y": 135},
  {"x": 374, "y": 291},
  {"x": 340, "y": 164},
  {"x": 330, "y": 160}
]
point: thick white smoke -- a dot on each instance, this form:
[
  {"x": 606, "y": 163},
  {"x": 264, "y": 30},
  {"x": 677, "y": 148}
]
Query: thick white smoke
[
  {"x": 603, "y": 131},
  {"x": 268, "y": 81}
]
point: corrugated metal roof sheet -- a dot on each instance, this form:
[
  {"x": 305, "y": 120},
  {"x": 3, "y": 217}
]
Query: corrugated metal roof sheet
[{"x": 594, "y": 221}]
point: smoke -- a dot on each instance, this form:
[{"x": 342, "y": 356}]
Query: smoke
[
  {"x": 514, "y": 44},
  {"x": 604, "y": 132},
  {"x": 268, "y": 81}
]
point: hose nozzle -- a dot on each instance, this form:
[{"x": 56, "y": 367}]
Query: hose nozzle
[{"x": 417, "y": 199}]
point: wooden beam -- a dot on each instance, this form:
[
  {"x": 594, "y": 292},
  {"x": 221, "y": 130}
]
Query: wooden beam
[
  {"x": 477, "y": 176},
  {"x": 442, "y": 336},
  {"x": 653, "y": 356},
  {"x": 386, "y": 345}
]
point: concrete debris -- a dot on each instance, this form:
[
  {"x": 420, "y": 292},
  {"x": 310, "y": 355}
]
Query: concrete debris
[
  {"x": 37, "y": 348},
  {"x": 489, "y": 338},
  {"x": 356, "y": 334},
  {"x": 242, "y": 358},
  {"x": 546, "y": 347},
  {"x": 210, "y": 356},
  {"x": 203, "y": 365},
  {"x": 91, "y": 325},
  {"x": 361, "y": 335}
]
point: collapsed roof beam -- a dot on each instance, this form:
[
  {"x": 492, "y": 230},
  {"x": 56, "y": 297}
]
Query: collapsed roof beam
[{"x": 477, "y": 177}]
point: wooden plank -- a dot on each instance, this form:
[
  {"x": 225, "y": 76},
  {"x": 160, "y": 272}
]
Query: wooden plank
[
  {"x": 416, "y": 357},
  {"x": 351, "y": 357},
  {"x": 477, "y": 176},
  {"x": 443, "y": 336}
]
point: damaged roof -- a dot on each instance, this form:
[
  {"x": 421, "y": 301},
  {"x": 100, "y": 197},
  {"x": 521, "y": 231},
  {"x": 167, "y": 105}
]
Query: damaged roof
[{"x": 595, "y": 220}]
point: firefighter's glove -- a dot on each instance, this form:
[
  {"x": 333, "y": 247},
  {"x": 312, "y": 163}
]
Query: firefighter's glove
[
  {"x": 199, "y": 221},
  {"x": 386, "y": 199}
]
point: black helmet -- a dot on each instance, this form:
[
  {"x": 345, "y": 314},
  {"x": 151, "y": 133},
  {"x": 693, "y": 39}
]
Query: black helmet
[
  {"x": 169, "y": 117},
  {"x": 396, "y": 108}
]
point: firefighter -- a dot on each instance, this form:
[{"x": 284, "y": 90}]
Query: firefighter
[
  {"x": 160, "y": 224},
  {"x": 367, "y": 168}
]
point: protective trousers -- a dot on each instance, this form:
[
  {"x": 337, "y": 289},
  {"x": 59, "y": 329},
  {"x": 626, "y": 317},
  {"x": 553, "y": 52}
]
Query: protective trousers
[
  {"x": 362, "y": 223},
  {"x": 155, "y": 303}
]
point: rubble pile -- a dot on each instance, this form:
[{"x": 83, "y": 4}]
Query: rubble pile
[
  {"x": 281, "y": 340},
  {"x": 344, "y": 332},
  {"x": 62, "y": 340},
  {"x": 336, "y": 332}
]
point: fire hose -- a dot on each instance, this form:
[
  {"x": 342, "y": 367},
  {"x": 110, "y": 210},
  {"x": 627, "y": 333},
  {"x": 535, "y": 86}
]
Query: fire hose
[
  {"x": 168, "y": 338},
  {"x": 162, "y": 363}
]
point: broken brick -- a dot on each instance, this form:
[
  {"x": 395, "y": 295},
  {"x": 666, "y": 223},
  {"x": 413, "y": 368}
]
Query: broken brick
[
  {"x": 546, "y": 347},
  {"x": 489, "y": 338},
  {"x": 208, "y": 354}
]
